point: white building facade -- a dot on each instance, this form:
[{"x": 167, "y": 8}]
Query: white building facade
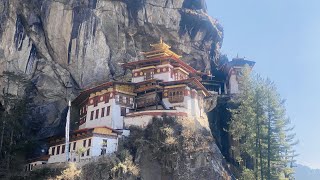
[{"x": 84, "y": 145}]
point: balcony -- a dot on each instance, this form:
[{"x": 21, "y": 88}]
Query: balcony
[{"x": 176, "y": 99}]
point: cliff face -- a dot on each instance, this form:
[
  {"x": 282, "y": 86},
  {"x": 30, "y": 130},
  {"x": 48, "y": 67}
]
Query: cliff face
[{"x": 52, "y": 42}]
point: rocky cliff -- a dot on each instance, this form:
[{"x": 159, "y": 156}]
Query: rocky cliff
[{"x": 51, "y": 44}]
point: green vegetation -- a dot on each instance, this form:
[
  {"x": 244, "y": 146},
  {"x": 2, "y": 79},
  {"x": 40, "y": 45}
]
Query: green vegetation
[
  {"x": 71, "y": 173},
  {"x": 13, "y": 133},
  {"x": 262, "y": 136}
]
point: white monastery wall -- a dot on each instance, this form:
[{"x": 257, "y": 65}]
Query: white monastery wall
[
  {"x": 137, "y": 79},
  {"x": 31, "y": 166},
  {"x": 233, "y": 84},
  {"x": 139, "y": 121},
  {"x": 100, "y": 121},
  {"x": 98, "y": 143},
  {"x": 117, "y": 119},
  {"x": 94, "y": 149}
]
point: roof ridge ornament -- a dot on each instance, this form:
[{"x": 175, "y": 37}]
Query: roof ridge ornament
[{"x": 160, "y": 49}]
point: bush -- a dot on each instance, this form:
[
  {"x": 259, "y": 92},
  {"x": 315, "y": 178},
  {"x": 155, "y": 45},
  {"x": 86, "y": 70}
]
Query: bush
[{"x": 247, "y": 174}]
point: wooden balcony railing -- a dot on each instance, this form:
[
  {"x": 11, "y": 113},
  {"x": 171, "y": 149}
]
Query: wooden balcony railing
[{"x": 176, "y": 99}]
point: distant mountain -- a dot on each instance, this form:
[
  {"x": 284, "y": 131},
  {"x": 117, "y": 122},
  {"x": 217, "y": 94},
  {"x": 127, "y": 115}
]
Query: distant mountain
[{"x": 306, "y": 173}]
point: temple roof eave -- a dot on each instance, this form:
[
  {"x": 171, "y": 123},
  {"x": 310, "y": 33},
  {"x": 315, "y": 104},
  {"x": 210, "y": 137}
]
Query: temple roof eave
[
  {"x": 86, "y": 93},
  {"x": 192, "y": 82}
]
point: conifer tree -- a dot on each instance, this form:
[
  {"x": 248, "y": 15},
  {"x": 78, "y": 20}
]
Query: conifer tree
[{"x": 261, "y": 130}]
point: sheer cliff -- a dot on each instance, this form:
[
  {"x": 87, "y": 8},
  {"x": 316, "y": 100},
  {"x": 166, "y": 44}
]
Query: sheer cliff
[
  {"x": 52, "y": 49},
  {"x": 53, "y": 44}
]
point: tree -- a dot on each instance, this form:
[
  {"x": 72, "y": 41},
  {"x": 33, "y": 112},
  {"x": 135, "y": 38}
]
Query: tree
[
  {"x": 80, "y": 151},
  {"x": 71, "y": 173},
  {"x": 260, "y": 129}
]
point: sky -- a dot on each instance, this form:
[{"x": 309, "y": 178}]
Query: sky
[{"x": 283, "y": 38}]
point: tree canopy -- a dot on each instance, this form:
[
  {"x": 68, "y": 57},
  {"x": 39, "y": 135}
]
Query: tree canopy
[{"x": 262, "y": 135}]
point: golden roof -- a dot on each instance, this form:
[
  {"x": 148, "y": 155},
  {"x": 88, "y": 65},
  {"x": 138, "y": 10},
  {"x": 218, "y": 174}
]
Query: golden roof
[{"x": 160, "y": 49}]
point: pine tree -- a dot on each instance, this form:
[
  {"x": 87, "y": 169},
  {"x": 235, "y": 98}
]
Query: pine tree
[{"x": 263, "y": 138}]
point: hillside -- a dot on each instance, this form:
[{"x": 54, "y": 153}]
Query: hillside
[{"x": 304, "y": 172}]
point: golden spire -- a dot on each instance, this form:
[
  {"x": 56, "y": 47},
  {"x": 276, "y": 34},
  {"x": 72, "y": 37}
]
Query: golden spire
[{"x": 160, "y": 49}]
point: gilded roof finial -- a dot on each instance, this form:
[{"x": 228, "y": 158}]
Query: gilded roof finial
[{"x": 160, "y": 49}]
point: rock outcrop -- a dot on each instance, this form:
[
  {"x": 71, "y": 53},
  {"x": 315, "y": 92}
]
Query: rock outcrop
[{"x": 57, "y": 43}]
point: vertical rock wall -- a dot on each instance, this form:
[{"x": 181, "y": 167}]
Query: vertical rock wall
[{"x": 53, "y": 42}]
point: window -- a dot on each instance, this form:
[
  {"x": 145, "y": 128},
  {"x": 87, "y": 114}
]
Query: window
[
  {"x": 123, "y": 111},
  {"x": 120, "y": 99},
  {"x": 89, "y": 142},
  {"x": 102, "y": 112},
  {"x": 108, "y": 110},
  {"x": 69, "y": 147},
  {"x": 84, "y": 143},
  {"x": 58, "y": 150},
  {"x": 103, "y": 151},
  {"x": 88, "y": 152},
  {"x": 82, "y": 154},
  {"x": 74, "y": 145},
  {"x": 53, "y": 150},
  {"x": 176, "y": 96},
  {"x": 131, "y": 100},
  {"x": 97, "y": 113},
  {"x": 105, "y": 143},
  {"x": 91, "y": 116},
  {"x": 148, "y": 75},
  {"x": 63, "y": 149}
]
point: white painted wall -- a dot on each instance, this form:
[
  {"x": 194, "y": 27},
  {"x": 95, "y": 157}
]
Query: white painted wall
[
  {"x": 95, "y": 149},
  {"x": 139, "y": 121},
  {"x": 105, "y": 121},
  {"x": 137, "y": 79},
  {"x": 62, "y": 156},
  {"x": 114, "y": 120},
  {"x": 233, "y": 84},
  {"x": 32, "y": 165},
  {"x": 112, "y": 145},
  {"x": 165, "y": 76}
]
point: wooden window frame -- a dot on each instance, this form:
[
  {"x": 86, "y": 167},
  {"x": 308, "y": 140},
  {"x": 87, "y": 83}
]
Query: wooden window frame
[
  {"x": 97, "y": 114},
  {"x": 58, "y": 150},
  {"x": 123, "y": 111},
  {"x": 102, "y": 112},
  {"x": 108, "y": 110},
  {"x": 84, "y": 143},
  {"x": 91, "y": 115}
]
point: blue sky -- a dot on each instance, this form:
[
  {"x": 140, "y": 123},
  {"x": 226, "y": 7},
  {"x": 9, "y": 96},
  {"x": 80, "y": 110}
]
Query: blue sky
[{"x": 283, "y": 37}]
